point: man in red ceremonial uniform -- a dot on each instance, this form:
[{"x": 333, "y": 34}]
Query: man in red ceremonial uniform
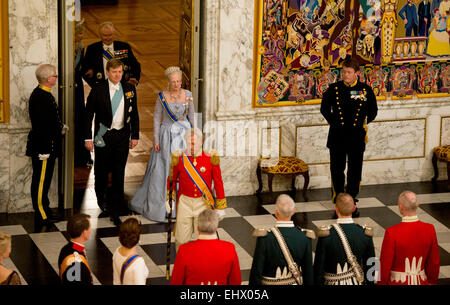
[
  {"x": 208, "y": 260},
  {"x": 410, "y": 253},
  {"x": 195, "y": 170}
]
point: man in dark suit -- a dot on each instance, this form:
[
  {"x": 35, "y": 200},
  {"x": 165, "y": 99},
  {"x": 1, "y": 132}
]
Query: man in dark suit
[
  {"x": 44, "y": 141},
  {"x": 116, "y": 119},
  {"x": 99, "y": 53},
  {"x": 424, "y": 17}
]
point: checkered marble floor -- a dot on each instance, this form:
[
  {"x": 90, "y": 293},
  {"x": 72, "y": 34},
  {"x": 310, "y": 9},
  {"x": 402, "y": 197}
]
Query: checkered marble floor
[{"x": 35, "y": 253}]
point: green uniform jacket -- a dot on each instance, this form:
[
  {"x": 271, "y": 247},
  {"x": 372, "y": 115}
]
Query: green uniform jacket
[
  {"x": 268, "y": 255},
  {"x": 330, "y": 252}
]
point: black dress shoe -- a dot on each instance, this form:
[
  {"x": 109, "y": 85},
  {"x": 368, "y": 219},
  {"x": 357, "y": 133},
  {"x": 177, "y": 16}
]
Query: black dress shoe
[
  {"x": 116, "y": 220},
  {"x": 44, "y": 222}
]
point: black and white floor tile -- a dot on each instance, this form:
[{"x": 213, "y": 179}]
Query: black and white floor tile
[{"x": 35, "y": 250}]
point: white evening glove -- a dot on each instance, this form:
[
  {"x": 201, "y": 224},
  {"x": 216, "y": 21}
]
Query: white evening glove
[
  {"x": 44, "y": 157},
  {"x": 64, "y": 129},
  {"x": 220, "y": 213},
  {"x": 167, "y": 206}
]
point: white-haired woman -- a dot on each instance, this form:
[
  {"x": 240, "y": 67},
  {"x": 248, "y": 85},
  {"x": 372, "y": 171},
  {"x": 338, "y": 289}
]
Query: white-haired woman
[{"x": 174, "y": 114}]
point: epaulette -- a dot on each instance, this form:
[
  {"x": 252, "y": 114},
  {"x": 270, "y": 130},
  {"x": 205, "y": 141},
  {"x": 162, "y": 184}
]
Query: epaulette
[
  {"x": 323, "y": 231},
  {"x": 260, "y": 232},
  {"x": 176, "y": 157},
  {"x": 309, "y": 233},
  {"x": 367, "y": 230},
  {"x": 215, "y": 159}
]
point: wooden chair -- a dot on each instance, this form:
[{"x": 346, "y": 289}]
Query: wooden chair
[
  {"x": 441, "y": 153},
  {"x": 289, "y": 167}
]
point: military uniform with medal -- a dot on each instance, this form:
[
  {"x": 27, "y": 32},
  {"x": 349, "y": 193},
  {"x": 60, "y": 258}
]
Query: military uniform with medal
[{"x": 195, "y": 173}]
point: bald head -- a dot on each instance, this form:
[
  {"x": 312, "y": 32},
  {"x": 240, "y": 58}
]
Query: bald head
[
  {"x": 285, "y": 206},
  {"x": 407, "y": 202},
  {"x": 344, "y": 204}
]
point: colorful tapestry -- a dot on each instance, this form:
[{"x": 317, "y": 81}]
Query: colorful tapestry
[{"x": 403, "y": 47}]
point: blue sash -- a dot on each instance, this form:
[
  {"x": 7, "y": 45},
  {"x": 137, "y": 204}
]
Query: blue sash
[
  {"x": 172, "y": 116},
  {"x": 125, "y": 265},
  {"x": 107, "y": 55},
  {"x": 115, "y": 102}
]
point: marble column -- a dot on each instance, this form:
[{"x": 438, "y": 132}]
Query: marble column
[{"x": 33, "y": 37}]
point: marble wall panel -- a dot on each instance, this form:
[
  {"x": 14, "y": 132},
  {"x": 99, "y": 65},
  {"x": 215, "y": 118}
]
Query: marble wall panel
[
  {"x": 396, "y": 139},
  {"x": 33, "y": 37},
  {"x": 4, "y": 172},
  {"x": 311, "y": 143},
  {"x": 236, "y": 54},
  {"x": 387, "y": 140},
  {"x": 445, "y": 131}
]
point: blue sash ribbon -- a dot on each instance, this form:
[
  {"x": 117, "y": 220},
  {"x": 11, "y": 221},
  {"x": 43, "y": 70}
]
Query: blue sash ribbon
[
  {"x": 125, "y": 265},
  {"x": 115, "y": 102},
  {"x": 107, "y": 55},
  {"x": 166, "y": 107}
]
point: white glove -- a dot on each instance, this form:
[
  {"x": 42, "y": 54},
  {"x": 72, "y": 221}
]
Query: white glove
[
  {"x": 44, "y": 157},
  {"x": 167, "y": 206},
  {"x": 64, "y": 129},
  {"x": 220, "y": 213}
]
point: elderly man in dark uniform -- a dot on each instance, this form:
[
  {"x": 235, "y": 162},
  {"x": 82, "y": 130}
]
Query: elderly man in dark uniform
[
  {"x": 44, "y": 141},
  {"x": 99, "y": 53},
  {"x": 116, "y": 121},
  {"x": 194, "y": 170},
  {"x": 73, "y": 265},
  {"x": 344, "y": 249},
  {"x": 270, "y": 262},
  {"x": 348, "y": 106}
]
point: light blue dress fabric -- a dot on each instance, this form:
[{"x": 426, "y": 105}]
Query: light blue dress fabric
[{"x": 149, "y": 200}]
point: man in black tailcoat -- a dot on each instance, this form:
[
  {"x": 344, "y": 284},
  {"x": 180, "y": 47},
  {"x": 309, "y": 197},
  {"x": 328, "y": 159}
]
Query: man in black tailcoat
[{"x": 116, "y": 131}]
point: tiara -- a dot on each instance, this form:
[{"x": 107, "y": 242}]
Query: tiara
[{"x": 171, "y": 70}]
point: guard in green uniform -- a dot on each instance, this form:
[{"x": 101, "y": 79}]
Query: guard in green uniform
[
  {"x": 344, "y": 259},
  {"x": 270, "y": 266},
  {"x": 348, "y": 106}
]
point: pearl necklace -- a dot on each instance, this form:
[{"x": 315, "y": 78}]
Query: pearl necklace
[{"x": 175, "y": 97}]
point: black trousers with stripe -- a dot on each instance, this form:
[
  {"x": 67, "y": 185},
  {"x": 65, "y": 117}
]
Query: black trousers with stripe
[
  {"x": 40, "y": 184},
  {"x": 338, "y": 161},
  {"x": 112, "y": 159}
]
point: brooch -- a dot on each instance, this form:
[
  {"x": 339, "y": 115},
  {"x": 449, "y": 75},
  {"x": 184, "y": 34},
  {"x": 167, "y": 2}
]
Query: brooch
[
  {"x": 202, "y": 169},
  {"x": 99, "y": 75},
  {"x": 129, "y": 94}
]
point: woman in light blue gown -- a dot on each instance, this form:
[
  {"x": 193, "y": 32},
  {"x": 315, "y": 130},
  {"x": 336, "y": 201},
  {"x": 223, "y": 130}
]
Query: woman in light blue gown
[{"x": 175, "y": 107}]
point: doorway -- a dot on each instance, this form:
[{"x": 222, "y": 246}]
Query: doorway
[{"x": 152, "y": 29}]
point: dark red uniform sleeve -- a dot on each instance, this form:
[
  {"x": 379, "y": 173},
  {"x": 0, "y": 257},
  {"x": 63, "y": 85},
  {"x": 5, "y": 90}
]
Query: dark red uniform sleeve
[
  {"x": 178, "y": 268},
  {"x": 386, "y": 258},
  {"x": 235, "y": 274},
  {"x": 432, "y": 263}
]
